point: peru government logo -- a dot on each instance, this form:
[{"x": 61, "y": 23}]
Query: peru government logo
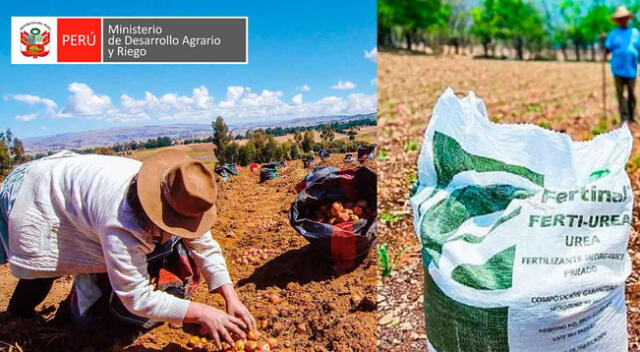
[{"x": 34, "y": 39}]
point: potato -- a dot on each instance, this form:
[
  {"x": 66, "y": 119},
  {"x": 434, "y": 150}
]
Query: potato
[
  {"x": 344, "y": 217},
  {"x": 253, "y": 335},
  {"x": 273, "y": 343},
  {"x": 263, "y": 347},
  {"x": 239, "y": 345},
  {"x": 251, "y": 346}
]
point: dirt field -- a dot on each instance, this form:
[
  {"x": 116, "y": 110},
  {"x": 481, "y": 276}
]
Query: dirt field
[
  {"x": 250, "y": 215},
  {"x": 561, "y": 96}
]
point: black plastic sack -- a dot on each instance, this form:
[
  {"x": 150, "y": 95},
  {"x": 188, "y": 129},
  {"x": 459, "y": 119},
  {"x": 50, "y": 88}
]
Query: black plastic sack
[
  {"x": 347, "y": 244},
  {"x": 223, "y": 172},
  {"x": 231, "y": 168},
  {"x": 308, "y": 162},
  {"x": 268, "y": 172},
  {"x": 348, "y": 158},
  {"x": 366, "y": 153}
]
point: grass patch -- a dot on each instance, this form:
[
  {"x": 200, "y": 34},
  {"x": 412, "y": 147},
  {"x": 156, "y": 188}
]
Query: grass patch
[
  {"x": 411, "y": 145},
  {"x": 392, "y": 218},
  {"x": 634, "y": 165},
  {"x": 544, "y": 124},
  {"x": 386, "y": 262},
  {"x": 411, "y": 176},
  {"x": 534, "y": 108},
  {"x": 600, "y": 128}
]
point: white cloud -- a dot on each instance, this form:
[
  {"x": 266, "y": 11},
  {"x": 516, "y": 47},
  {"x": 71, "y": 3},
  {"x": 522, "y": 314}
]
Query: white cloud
[
  {"x": 201, "y": 97},
  {"x": 344, "y": 85},
  {"x": 49, "y": 104},
  {"x": 84, "y": 102},
  {"x": 371, "y": 54},
  {"x": 374, "y": 81},
  {"x": 305, "y": 88},
  {"x": 239, "y": 102},
  {"x": 25, "y": 118}
]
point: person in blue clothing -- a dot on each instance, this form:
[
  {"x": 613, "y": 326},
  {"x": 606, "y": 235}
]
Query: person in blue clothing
[{"x": 623, "y": 43}]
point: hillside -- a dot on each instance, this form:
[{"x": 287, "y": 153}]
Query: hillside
[{"x": 110, "y": 136}]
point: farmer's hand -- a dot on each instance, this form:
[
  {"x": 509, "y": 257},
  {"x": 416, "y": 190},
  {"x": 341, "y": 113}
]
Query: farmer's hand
[
  {"x": 216, "y": 323},
  {"x": 603, "y": 36},
  {"x": 235, "y": 307}
]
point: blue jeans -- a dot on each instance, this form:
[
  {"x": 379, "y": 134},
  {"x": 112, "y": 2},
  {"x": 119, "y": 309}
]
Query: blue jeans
[{"x": 8, "y": 195}]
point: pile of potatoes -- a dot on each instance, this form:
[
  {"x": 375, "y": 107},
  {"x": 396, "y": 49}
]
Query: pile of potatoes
[
  {"x": 253, "y": 343},
  {"x": 339, "y": 212},
  {"x": 254, "y": 256}
]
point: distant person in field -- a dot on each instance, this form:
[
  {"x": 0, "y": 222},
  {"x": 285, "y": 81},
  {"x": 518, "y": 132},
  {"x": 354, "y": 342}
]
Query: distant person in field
[
  {"x": 623, "y": 43},
  {"x": 84, "y": 215}
]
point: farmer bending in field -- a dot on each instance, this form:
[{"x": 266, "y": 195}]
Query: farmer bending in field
[
  {"x": 83, "y": 215},
  {"x": 623, "y": 43}
]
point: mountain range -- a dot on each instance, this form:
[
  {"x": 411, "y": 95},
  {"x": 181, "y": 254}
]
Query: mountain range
[{"x": 111, "y": 136}]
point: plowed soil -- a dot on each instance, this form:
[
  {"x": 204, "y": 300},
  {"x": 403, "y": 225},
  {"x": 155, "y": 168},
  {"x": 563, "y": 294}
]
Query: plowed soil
[
  {"x": 337, "y": 313},
  {"x": 562, "y": 96}
]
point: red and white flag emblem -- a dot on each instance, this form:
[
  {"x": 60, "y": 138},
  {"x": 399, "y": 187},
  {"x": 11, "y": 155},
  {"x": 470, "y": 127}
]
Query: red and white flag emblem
[{"x": 35, "y": 41}]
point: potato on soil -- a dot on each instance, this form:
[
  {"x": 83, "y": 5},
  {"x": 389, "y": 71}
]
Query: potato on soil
[
  {"x": 253, "y": 335},
  {"x": 251, "y": 346},
  {"x": 273, "y": 343},
  {"x": 263, "y": 347}
]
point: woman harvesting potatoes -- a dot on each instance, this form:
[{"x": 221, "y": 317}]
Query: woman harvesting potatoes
[{"x": 82, "y": 215}]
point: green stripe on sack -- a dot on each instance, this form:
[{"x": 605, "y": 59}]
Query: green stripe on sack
[
  {"x": 495, "y": 274},
  {"x": 440, "y": 222},
  {"x": 450, "y": 159},
  {"x": 456, "y": 327},
  {"x": 473, "y": 239}
]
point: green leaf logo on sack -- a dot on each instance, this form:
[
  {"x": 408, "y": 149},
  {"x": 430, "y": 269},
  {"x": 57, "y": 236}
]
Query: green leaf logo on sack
[
  {"x": 524, "y": 246},
  {"x": 599, "y": 174}
]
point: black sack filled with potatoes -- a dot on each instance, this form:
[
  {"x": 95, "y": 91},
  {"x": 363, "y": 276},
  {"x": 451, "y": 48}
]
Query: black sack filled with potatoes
[{"x": 336, "y": 213}]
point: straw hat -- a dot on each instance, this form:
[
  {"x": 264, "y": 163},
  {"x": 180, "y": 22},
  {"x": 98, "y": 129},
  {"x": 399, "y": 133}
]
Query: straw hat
[
  {"x": 178, "y": 193},
  {"x": 622, "y": 12}
]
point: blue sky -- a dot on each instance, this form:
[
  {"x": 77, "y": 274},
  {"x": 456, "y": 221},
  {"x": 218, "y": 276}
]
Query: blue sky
[{"x": 300, "y": 53}]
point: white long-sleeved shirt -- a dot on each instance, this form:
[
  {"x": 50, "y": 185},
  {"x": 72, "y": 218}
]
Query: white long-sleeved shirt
[{"x": 71, "y": 217}]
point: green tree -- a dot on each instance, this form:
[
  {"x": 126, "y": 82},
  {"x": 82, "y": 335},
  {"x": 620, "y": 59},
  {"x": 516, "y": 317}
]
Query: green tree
[
  {"x": 411, "y": 17},
  {"x": 272, "y": 151},
  {"x": 221, "y": 137},
  {"x": 596, "y": 21},
  {"x": 9, "y": 135},
  {"x": 18, "y": 151},
  {"x": 247, "y": 154},
  {"x": 327, "y": 134},
  {"x": 572, "y": 16},
  {"x": 308, "y": 141},
  {"x": 5, "y": 159},
  {"x": 297, "y": 137},
  {"x": 294, "y": 152},
  {"x": 485, "y": 23}
]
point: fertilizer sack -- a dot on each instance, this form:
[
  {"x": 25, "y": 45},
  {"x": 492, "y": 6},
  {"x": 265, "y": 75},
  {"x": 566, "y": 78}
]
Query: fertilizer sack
[{"x": 524, "y": 234}]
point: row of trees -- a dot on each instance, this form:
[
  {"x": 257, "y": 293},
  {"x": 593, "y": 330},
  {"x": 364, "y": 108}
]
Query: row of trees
[
  {"x": 518, "y": 26},
  {"x": 261, "y": 147},
  {"x": 11, "y": 152},
  {"x": 345, "y": 127}
]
